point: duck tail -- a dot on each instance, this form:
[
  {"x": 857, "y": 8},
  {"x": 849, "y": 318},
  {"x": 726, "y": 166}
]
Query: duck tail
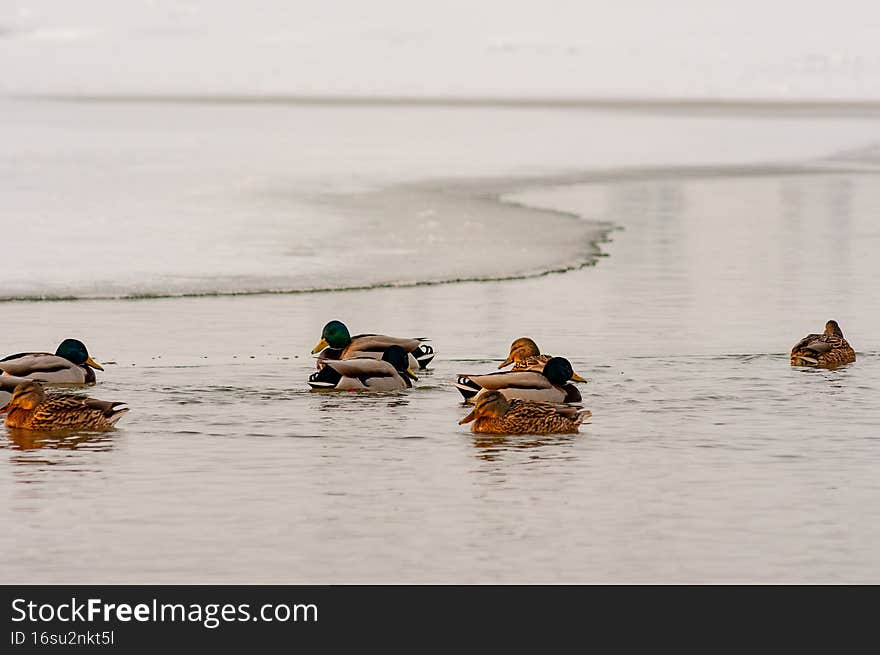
[
  {"x": 325, "y": 378},
  {"x": 423, "y": 354},
  {"x": 117, "y": 413},
  {"x": 466, "y": 387}
]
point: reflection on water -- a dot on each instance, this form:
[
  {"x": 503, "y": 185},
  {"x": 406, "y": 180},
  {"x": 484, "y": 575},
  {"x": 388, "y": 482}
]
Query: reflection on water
[
  {"x": 37, "y": 458},
  {"x": 493, "y": 448},
  {"x": 71, "y": 440}
]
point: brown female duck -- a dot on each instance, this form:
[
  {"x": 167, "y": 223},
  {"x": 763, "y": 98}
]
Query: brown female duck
[
  {"x": 31, "y": 408},
  {"x": 826, "y": 350},
  {"x": 495, "y": 414}
]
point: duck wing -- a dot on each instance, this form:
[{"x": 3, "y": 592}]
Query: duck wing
[
  {"x": 569, "y": 411},
  {"x": 24, "y": 364},
  {"x": 378, "y": 343},
  {"x": 59, "y": 411},
  {"x": 48, "y": 368},
  {"x": 534, "y": 363},
  {"x": 538, "y": 410},
  {"x": 510, "y": 380},
  {"x": 362, "y": 367},
  {"x": 819, "y": 343}
]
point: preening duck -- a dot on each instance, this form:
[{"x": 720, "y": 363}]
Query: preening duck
[
  {"x": 71, "y": 364},
  {"x": 552, "y": 385},
  {"x": 825, "y": 350},
  {"x": 526, "y": 356},
  {"x": 31, "y": 408},
  {"x": 495, "y": 414},
  {"x": 337, "y": 343},
  {"x": 390, "y": 373}
]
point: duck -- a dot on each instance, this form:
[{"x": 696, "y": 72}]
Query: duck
[
  {"x": 390, "y": 373},
  {"x": 31, "y": 408},
  {"x": 826, "y": 350},
  {"x": 526, "y": 356},
  {"x": 337, "y": 343},
  {"x": 550, "y": 385},
  {"x": 493, "y": 413},
  {"x": 71, "y": 364}
]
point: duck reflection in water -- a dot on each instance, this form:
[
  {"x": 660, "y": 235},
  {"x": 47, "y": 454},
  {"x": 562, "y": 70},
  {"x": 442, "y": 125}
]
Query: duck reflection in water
[
  {"x": 69, "y": 440},
  {"x": 495, "y": 447}
]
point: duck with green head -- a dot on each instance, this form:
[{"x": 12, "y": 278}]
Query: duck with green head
[
  {"x": 71, "y": 364},
  {"x": 390, "y": 373},
  {"x": 551, "y": 385},
  {"x": 337, "y": 343}
]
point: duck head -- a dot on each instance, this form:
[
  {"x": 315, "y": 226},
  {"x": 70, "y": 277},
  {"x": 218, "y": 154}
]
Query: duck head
[
  {"x": 334, "y": 335},
  {"x": 27, "y": 395},
  {"x": 492, "y": 404},
  {"x": 521, "y": 349},
  {"x": 832, "y": 328},
  {"x": 558, "y": 370},
  {"x": 74, "y": 350}
]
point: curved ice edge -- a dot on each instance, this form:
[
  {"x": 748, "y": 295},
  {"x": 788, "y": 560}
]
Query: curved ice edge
[{"x": 495, "y": 189}]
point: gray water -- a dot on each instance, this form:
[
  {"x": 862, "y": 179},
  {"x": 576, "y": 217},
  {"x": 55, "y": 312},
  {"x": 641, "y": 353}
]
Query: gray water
[{"x": 708, "y": 458}]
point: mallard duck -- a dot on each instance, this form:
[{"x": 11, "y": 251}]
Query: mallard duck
[
  {"x": 526, "y": 356},
  {"x": 71, "y": 364},
  {"x": 390, "y": 373},
  {"x": 826, "y": 350},
  {"x": 337, "y": 343},
  {"x": 495, "y": 414},
  {"x": 549, "y": 386},
  {"x": 31, "y": 408}
]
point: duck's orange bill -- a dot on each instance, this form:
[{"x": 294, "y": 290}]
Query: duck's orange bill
[{"x": 470, "y": 417}]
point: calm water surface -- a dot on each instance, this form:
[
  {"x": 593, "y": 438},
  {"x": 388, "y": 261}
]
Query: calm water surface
[{"x": 708, "y": 458}]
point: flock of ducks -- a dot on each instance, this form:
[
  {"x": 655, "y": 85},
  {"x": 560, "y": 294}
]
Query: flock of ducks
[{"x": 535, "y": 396}]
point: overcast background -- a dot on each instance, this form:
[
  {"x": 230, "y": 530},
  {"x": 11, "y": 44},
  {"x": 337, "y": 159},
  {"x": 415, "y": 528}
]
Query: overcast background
[{"x": 781, "y": 49}]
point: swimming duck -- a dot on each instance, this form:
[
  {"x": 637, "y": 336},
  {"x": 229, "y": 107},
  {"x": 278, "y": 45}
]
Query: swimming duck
[
  {"x": 495, "y": 414},
  {"x": 31, "y": 408},
  {"x": 71, "y": 364},
  {"x": 526, "y": 356},
  {"x": 337, "y": 343},
  {"x": 549, "y": 386},
  {"x": 390, "y": 373},
  {"x": 826, "y": 350}
]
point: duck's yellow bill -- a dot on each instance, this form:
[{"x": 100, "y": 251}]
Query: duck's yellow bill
[
  {"x": 91, "y": 362},
  {"x": 411, "y": 374},
  {"x": 470, "y": 417},
  {"x": 321, "y": 345},
  {"x": 577, "y": 378}
]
